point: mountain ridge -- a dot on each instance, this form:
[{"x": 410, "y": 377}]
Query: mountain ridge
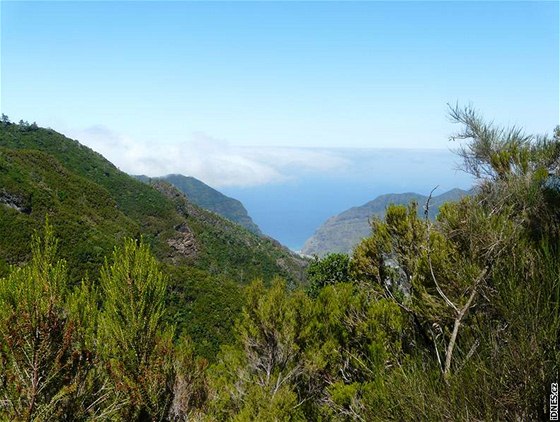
[
  {"x": 210, "y": 199},
  {"x": 146, "y": 210}
]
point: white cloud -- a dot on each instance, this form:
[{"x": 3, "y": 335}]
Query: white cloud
[
  {"x": 300, "y": 159},
  {"x": 211, "y": 160}
]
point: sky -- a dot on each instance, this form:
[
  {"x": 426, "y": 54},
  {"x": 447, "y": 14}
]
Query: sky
[{"x": 250, "y": 96}]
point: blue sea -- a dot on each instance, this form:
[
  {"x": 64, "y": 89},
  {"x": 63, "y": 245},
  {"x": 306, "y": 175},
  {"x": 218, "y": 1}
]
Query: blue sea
[{"x": 291, "y": 211}]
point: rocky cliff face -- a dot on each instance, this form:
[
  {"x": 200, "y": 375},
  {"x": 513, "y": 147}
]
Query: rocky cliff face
[{"x": 17, "y": 202}]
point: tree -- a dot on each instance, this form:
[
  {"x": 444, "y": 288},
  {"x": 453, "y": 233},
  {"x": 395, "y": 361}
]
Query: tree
[
  {"x": 517, "y": 173},
  {"x": 257, "y": 377},
  {"x": 419, "y": 268},
  {"x": 484, "y": 281},
  {"x": 354, "y": 337},
  {"x": 190, "y": 390},
  {"x": 135, "y": 339},
  {"x": 331, "y": 269},
  {"x": 46, "y": 368}
]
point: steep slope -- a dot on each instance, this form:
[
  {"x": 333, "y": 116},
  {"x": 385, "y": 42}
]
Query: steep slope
[
  {"x": 33, "y": 185},
  {"x": 210, "y": 199},
  {"x": 177, "y": 236},
  {"x": 219, "y": 240},
  {"x": 342, "y": 232}
]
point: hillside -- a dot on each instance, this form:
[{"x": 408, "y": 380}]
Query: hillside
[
  {"x": 342, "y": 232},
  {"x": 93, "y": 206},
  {"x": 145, "y": 209},
  {"x": 206, "y": 197},
  {"x": 85, "y": 215}
]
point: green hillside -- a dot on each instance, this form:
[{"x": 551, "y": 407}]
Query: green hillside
[
  {"x": 92, "y": 206},
  {"x": 342, "y": 232},
  {"x": 151, "y": 212},
  {"x": 84, "y": 214},
  {"x": 209, "y": 198}
]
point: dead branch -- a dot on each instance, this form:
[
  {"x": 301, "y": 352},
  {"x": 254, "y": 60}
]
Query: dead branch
[{"x": 458, "y": 320}]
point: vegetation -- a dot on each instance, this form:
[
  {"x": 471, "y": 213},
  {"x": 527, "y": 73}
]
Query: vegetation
[
  {"x": 47, "y": 372},
  {"x": 332, "y": 269},
  {"x": 93, "y": 207},
  {"x": 343, "y": 232},
  {"x": 452, "y": 319},
  {"x": 34, "y": 168},
  {"x": 85, "y": 353},
  {"x": 210, "y": 199},
  {"x": 83, "y": 214}
]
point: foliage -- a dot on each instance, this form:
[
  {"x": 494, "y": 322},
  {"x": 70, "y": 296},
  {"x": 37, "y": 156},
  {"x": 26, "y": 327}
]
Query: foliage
[
  {"x": 253, "y": 381},
  {"x": 83, "y": 214},
  {"x": 93, "y": 206},
  {"x": 136, "y": 344},
  {"x": 229, "y": 250},
  {"x": 331, "y": 269},
  {"x": 82, "y": 354},
  {"x": 204, "y": 307},
  {"x": 297, "y": 358},
  {"x": 343, "y": 232},
  {"x": 48, "y": 368},
  {"x": 355, "y": 338},
  {"x": 190, "y": 389},
  {"x": 99, "y": 187},
  {"x": 208, "y": 198},
  {"x": 479, "y": 277}
]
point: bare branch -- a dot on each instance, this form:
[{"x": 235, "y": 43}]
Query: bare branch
[{"x": 458, "y": 321}]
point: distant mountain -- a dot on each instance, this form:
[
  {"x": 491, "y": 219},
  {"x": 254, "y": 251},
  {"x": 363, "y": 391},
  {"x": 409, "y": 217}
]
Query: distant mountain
[
  {"x": 342, "y": 232},
  {"x": 210, "y": 199}
]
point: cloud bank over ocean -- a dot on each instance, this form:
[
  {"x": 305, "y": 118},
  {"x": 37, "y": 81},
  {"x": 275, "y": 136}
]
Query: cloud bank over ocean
[
  {"x": 292, "y": 210},
  {"x": 211, "y": 160},
  {"x": 222, "y": 165}
]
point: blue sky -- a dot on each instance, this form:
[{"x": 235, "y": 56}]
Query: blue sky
[
  {"x": 317, "y": 74},
  {"x": 248, "y": 95}
]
